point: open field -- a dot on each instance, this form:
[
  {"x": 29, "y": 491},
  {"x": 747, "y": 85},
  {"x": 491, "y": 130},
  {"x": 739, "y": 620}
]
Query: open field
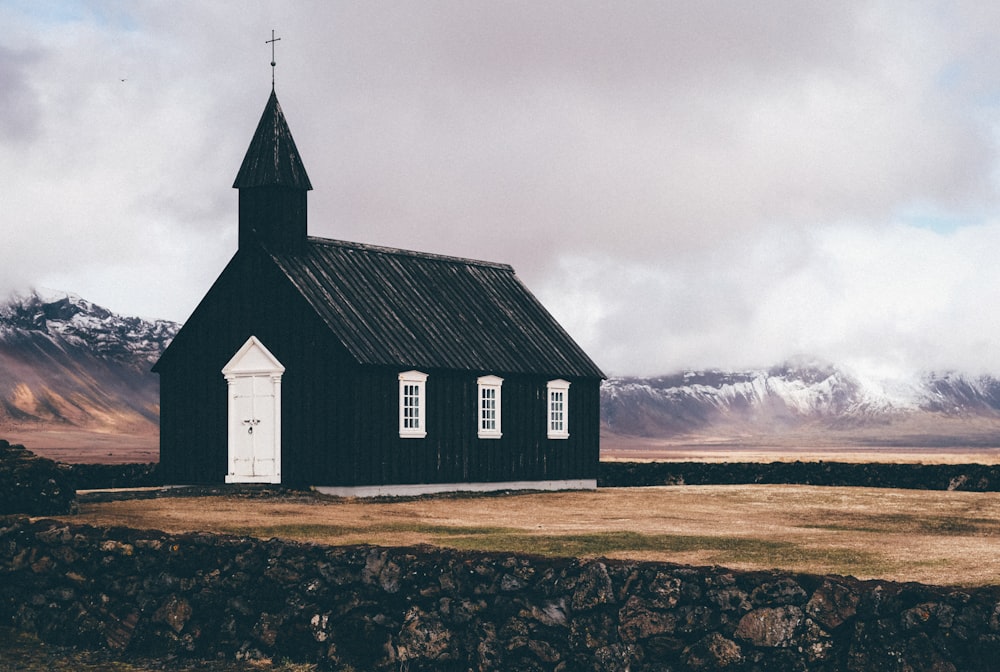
[
  {"x": 78, "y": 446},
  {"x": 931, "y": 537}
]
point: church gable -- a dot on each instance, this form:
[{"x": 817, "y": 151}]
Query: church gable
[{"x": 250, "y": 297}]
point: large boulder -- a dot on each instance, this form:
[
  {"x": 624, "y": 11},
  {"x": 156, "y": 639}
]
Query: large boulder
[{"x": 33, "y": 485}]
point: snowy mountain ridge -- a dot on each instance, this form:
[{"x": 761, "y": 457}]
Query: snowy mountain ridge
[
  {"x": 788, "y": 396},
  {"x": 67, "y": 317}
]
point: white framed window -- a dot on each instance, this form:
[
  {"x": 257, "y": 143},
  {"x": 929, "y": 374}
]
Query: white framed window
[
  {"x": 489, "y": 406},
  {"x": 412, "y": 406},
  {"x": 557, "y": 409}
]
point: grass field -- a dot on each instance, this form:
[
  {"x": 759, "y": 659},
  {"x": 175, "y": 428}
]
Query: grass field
[{"x": 931, "y": 537}]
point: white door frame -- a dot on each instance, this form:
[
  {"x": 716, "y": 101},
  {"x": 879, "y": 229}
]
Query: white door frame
[{"x": 254, "y": 361}]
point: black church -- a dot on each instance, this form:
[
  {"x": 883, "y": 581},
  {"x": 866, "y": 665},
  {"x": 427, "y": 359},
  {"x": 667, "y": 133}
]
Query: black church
[{"x": 367, "y": 370}]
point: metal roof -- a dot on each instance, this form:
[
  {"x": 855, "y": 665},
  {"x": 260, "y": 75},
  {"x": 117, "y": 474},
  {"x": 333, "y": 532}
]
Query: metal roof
[
  {"x": 272, "y": 160},
  {"x": 400, "y": 308}
]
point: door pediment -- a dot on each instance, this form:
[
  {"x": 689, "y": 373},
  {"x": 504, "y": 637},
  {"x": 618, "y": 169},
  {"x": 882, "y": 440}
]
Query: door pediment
[{"x": 252, "y": 358}]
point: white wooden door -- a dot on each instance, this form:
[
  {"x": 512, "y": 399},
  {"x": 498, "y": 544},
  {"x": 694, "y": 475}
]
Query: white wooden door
[
  {"x": 253, "y": 427},
  {"x": 253, "y": 378}
]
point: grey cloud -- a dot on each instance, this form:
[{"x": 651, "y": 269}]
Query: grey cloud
[
  {"x": 686, "y": 184},
  {"x": 19, "y": 103}
]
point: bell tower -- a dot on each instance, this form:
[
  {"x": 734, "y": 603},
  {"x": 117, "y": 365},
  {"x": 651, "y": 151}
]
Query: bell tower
[{"x": 273, "y": 185}]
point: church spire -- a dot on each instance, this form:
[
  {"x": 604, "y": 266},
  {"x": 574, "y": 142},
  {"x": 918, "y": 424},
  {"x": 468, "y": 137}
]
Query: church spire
[
  {"x": 273, "y": 185},
  {"x": 272, "y": 158}
]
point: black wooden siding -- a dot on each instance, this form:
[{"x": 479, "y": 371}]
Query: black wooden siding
[
  {"x": 452, "y": 452},
  {"x": 330, "y": 437}
]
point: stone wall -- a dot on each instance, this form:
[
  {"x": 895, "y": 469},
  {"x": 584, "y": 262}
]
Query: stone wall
[
  {"x": 369, "y": 608},
  {"x": 975, "y": 477},
  {"x": 100, "y": 476},
  {"x": 32, "y": 484},
  {"x": 978, "y": 477}
]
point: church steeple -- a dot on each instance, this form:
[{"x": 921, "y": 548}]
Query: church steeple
[{"x": 273, "y": 184}]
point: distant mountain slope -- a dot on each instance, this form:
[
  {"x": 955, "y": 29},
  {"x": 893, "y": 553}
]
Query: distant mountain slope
[
  {"x": 68, "y": 363},
  {"x": 792, "y": 398}
]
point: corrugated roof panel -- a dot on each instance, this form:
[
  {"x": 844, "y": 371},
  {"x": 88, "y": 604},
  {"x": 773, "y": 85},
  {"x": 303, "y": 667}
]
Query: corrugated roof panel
[{"x": 398, "y": 308}]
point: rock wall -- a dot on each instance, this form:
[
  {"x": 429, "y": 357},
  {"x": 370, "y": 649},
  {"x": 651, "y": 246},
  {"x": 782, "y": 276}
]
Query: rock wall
[
  {"x": 32, "y": 484},
  {"x": 369, "y": 608},
  {"x": 99, "y": 476},
  {"x": 976, "y": 477}
]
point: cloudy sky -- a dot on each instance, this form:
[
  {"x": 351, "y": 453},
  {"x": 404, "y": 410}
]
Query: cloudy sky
[{"x": 683, "y": 184}]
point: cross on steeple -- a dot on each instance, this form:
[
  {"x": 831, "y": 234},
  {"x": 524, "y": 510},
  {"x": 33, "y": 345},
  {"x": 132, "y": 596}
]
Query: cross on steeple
[{"x": 273, "y": 63}]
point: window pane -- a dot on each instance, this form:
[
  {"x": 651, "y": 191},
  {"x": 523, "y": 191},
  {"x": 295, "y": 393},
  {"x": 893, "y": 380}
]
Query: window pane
[
  {"x": 411, "y": 406},
  {"x": 488, "y": 409},
  {"x": 556, "y": 411}
]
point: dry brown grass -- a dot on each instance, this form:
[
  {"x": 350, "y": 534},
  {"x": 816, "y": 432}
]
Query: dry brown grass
[{"x": 926, "y": 536}]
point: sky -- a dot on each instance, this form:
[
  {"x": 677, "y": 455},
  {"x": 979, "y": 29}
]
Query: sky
[{"x": 683, "y": 184}]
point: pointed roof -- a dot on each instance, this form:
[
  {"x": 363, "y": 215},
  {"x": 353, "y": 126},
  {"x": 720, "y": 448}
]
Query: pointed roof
[{"x": 272, "y": 160}]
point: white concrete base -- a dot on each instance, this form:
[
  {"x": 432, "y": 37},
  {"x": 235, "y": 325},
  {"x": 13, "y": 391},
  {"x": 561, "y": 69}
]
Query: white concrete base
[
  {"x": 411, "y": 490},
  {"x": 273, "y": 479}
]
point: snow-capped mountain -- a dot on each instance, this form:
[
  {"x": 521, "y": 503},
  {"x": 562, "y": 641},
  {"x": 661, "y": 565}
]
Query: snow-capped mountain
[
  {"x": 789, "y": 398},
  {"x": 66, "y": 362}
]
